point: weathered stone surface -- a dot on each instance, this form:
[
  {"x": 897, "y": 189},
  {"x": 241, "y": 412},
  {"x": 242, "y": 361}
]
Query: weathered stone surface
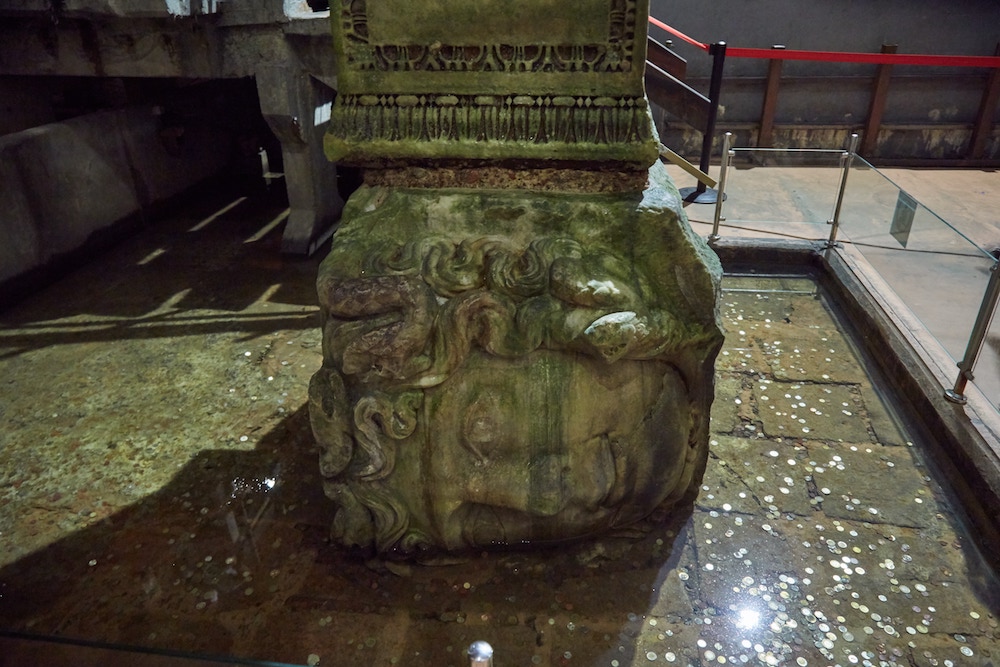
[
  {"x": 871, "y": 483},
  {"x": 812, "y": 411},
  {"x": 724, "y": 490},
  {"x": 499, "y": 81},
  {"x": 506, "y": 366},
  {"x": 727, "y": 575},
  {"x": 671, "y": 599},
  {"x": 725, "y": 414},
  {"x": 769, "y": 476},
  {"x": 745, "y": 356},
  {"x": 809, "y": 354},
  {"x": 885, "y": 427},
  {"x": 65, "y": 183},
  {"x": 149, "y": 405}
]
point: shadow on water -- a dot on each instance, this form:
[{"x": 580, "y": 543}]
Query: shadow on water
[
  {"x": 232, "y": 558},
  {"x": 167, "y": 570},
  {"x": 200, "y": 271},
  {"x": 160, "y": 353}
]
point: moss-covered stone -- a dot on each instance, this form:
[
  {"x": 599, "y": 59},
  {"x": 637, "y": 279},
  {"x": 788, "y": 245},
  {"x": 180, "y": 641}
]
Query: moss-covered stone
[
  {"x": 506, "y": 366},
  {"x": 491, "y": 81}
]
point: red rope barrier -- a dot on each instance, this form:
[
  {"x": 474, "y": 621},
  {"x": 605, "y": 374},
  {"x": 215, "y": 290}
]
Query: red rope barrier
[
  {"x": 873, "y": 58},
  {"x": 677, "y": 33},
  {"x": 844, "y": 56}
]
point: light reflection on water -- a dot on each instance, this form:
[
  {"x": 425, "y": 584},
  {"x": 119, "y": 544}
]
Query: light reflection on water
[{"x": 747, "y": 619}]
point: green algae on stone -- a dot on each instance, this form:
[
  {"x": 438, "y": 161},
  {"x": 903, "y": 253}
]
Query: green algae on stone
[
  {"x": 491, "y": 82},
  {"x": 511, "y": 366}
]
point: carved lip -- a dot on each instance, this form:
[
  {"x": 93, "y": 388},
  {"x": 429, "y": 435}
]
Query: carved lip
[{"x": 483, "y": 526}]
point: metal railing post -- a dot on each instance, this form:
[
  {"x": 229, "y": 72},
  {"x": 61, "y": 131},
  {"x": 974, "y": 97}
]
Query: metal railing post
[
  {"x": 846, "y": 159},
  {"x": 976, "y": 338},
  {"x": 727, "y": 160},
  {"x": 700, "y": 194}
]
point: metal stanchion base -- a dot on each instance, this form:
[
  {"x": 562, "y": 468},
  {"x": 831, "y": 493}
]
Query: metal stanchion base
[
  {"x": 955, "y": 397},
  {"x": 706, "y": 196}
]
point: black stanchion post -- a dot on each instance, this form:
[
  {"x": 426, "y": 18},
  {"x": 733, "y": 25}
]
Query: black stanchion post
[{"x": 701, "y": 194}]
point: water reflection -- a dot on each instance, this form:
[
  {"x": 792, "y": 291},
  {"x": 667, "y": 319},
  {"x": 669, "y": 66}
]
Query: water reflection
[
  {"x": 832, "y": 546},
  {"x": 747, "y": 619}
]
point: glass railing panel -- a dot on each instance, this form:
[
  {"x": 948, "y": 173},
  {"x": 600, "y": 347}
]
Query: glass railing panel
[
  {"x": 936, "y": 271},
  {"x": 987, "y": 369},
  {"x": 781, "y": 192}
]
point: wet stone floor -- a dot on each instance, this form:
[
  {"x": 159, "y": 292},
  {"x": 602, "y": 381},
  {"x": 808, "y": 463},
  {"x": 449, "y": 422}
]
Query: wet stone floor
[{"x": 159, "y": 489}]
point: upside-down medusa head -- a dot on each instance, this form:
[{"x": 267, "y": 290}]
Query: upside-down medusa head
[{"x": 480, "y": 394}]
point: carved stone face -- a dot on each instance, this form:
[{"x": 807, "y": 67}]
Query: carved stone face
[
  {"x": 552, "y": 446},
  {"x": 503, "y": 368}
]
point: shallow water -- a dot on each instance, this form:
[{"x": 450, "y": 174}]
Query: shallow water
[{"x": 159, "y": 488}]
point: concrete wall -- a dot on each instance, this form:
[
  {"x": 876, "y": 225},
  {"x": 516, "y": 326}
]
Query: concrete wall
[
  {"x": 64, "y": 183},
  {"x": 26, "y": 102}
]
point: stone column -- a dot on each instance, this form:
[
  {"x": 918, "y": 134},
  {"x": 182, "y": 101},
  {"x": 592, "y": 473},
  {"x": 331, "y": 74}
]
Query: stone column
[
  {"x": 297, "y": 108},
  {"x": 520, "y": 327}
]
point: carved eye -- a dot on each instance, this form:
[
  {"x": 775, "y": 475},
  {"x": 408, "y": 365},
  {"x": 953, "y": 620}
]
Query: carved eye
[{"x": 481, "y": 429}]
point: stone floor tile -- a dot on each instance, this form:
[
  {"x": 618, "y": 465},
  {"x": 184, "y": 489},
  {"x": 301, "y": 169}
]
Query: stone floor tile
[
  {"x": 813, "y": 411},
  {"x": 770, "y": 472},
  {"x": 872, "y": 483}
]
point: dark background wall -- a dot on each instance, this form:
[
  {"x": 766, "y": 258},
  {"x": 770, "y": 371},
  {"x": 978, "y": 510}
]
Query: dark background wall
[
  {"x": 965, "y": 27},
  {"x": 837, "y": 95}
]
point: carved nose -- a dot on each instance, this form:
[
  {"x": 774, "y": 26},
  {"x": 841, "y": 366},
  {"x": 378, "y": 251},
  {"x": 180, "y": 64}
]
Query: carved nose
[{"x": 547, "y": 494}]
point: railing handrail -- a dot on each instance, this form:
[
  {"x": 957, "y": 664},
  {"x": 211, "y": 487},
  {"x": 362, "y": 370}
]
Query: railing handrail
[
  {"x": 926, "y": 60},
  {"x": 767, "y": 149},
  {"x": 991, "y": 296}
]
